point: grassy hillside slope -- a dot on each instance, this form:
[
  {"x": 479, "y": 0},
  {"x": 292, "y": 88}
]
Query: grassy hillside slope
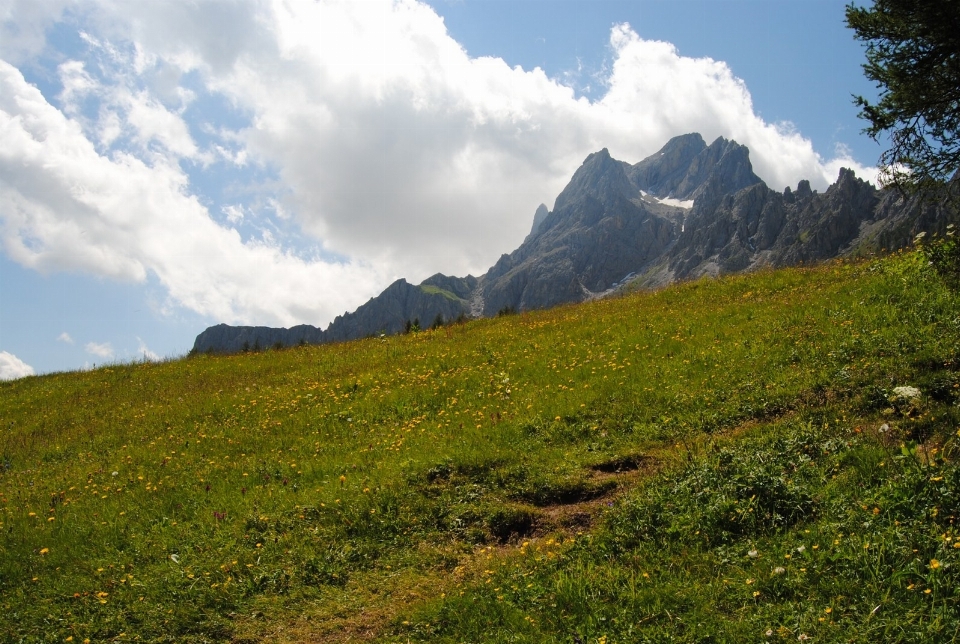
[{"x": 700, "y": 464}]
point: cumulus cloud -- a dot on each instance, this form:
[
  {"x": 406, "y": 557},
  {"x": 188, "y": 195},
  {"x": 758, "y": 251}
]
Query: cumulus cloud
[
  {"x": 12, "y": 367},
  {"x": 655, "y": 93},
  {"x": 124, "y": 109},
  {"x": 100, "y": 349},
  {"x": 65, "y": 206},
  {"x": 65, "y": 337},
  {"x": 392, "y": 148}
]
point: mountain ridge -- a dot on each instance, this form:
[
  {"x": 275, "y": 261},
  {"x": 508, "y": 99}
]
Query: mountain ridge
[{"x": 687, "y": 211}]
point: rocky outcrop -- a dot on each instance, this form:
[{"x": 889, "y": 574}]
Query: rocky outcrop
[
  {"x": 757, "y": 226},
  {"x": 598, "y": 231},
  {"x": 663, "y": 173},
  {"x": 686, "y": 168},
  {"x": 438, "y": 299},
  {"x": 400, "y": 303},
  {"x": 617, "y": 223},
  {"x": 224, "y": 338},
  {"x": 899, "y": 218},
  {"x": 538, "y": 217},
  {"x": 461, "y": 287}
]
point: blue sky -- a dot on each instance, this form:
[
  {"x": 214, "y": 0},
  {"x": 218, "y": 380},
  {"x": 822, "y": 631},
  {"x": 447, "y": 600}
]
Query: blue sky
[
  {"x": 171, "y": 165},
  {"x": 797, "y": 58}
]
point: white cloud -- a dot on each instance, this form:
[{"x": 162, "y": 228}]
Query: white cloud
[
  {"x": 234, "y": 213},
  {"x": 399, "y": 147},
  {"x": 65, "y": 337},
  {"x": 125, "y": 109},
  {"x": 64, "y": 206},
  {"x": 99, "y": 349},
  {"x": 12, "y": 367},
  {"x": 23, "y": 26},
  {"x": 393, "y": 147},
  {"x": 145, "y": 351},
  {"x": 655, "y": 93}
]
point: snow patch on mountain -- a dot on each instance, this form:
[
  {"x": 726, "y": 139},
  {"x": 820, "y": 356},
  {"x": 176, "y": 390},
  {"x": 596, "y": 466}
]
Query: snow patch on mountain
[{"x": 686, "y": 204}]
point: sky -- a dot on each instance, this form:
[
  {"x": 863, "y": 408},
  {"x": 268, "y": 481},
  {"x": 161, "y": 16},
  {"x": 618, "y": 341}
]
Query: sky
[{"x": 168, "y": 165}]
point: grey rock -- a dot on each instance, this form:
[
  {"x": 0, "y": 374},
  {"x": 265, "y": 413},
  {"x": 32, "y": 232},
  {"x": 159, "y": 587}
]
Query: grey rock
[
  {"x": 224, "y": 338},
  {"x": 598, "y": 231},
  {"x": 686, "y": 168},
  {"x": 401, "y": 302},
  {"x": 538, "y": 217},
  {"x": 461, "y": 287},
  {"x": 758, "y": 227},
  {"x": 662, "y": 173}
]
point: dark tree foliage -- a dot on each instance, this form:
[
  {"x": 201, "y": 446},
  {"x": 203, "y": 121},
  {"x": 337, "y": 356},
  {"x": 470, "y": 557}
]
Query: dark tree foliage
[{"x": 913, "y": 54}]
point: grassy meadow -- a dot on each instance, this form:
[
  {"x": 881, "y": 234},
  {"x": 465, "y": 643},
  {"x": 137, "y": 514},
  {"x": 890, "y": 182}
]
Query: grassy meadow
[{"x": 728, "y": 460}]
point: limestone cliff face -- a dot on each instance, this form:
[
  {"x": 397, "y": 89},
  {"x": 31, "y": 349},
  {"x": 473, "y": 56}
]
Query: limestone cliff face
[
  {"x": 898, "y": 218},
  {"x": 691, "y": 209},
  {"x": 757, "y": 226},
  {"x": 686, "y": 168},
  {"x": 598, "y": 231},
  {"x": 663, "y": 173},
  {"x": 538, "y": 217}
]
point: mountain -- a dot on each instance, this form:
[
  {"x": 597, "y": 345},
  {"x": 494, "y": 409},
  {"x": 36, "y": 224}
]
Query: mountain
[
  {"x": 757, "y": 227},
  {"x": 687, "y": 211},
  {"x": 598, "y": 231},
  {"x": 613, "y": 219},
  {"x": 438, "y": 299}
]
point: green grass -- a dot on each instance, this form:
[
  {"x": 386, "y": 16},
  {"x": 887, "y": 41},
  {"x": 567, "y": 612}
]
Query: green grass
[
  {"x": 436, "y": 290},
  {"x": 699, "y": 464}
]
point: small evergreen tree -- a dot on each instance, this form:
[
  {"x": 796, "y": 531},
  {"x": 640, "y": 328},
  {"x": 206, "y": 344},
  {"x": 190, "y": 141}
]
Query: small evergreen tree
[{"x": 913, "y": 54}]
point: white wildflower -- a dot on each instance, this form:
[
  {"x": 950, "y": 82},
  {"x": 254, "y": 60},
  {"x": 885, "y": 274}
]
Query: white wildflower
[{"x": 906, "y": 393}]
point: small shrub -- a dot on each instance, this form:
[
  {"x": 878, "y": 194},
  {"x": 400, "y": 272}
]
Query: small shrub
[
  {"x": 506, "y": 522},
  {"x": 943, "y": 254}
]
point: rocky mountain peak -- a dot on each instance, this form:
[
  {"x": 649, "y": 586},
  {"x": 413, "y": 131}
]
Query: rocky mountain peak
[
  {"x": 600, "y": 177},
  {"x": 846, "y": 179},
  {"x": 686, "y": 167},
  {"x": 660, "y": 173},
  {"x": 724, "y": 166},
  {"x": 538, "y": 218}
]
